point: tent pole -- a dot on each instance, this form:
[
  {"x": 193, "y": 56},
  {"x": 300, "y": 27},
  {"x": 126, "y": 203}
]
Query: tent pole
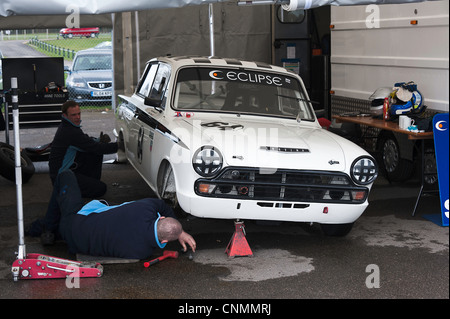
[
  {"x": 21, "y": 254},
  {"x": 211, "y": 29},
  {"x": 138, "y": 46}
]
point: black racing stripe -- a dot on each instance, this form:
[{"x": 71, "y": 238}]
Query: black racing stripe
[{"x": 150, "y": 121}]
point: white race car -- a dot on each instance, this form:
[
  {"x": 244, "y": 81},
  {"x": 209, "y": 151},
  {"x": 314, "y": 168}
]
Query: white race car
[{"x": 232, "y": 139}]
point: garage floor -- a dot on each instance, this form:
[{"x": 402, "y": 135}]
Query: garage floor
[{"x": 291, "y": 261}]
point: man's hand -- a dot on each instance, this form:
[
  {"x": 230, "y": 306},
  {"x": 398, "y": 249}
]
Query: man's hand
[
  {"x": 104, "y": 138},
  {"x": 184, "y": 239}
]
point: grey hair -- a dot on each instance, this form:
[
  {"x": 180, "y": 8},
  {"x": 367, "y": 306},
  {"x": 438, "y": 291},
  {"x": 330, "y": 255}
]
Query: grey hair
[{"x": 169, "y": 229}]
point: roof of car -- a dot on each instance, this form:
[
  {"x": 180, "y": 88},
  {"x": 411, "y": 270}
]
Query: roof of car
[
  {"x": 94, "y": 51},
  {"x": 179, "y": 61}
]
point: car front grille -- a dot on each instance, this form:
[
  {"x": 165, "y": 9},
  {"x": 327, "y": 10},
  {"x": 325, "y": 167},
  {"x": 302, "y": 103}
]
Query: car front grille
[
  {"x": 100, "y": 85},
  {"x": 282, "y": 185}
]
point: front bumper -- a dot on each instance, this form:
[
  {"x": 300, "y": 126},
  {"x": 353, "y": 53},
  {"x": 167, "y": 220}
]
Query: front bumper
[
  {"x": 286, "y": 195},
  {"x": 89, "y": 95},
  {"x": 322, "y": 213}
]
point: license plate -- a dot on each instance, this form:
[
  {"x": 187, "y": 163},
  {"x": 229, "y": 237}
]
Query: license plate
[{"x": 101, "y": 93}]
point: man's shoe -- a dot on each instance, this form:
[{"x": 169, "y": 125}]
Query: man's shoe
[{"x": 47, "y": 238}]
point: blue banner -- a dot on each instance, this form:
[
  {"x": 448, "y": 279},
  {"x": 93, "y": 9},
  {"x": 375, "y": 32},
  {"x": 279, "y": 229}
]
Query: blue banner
[{"x": 441, "y": 146}]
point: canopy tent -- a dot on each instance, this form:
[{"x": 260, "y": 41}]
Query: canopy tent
[
  {"x": 137, "y": 23},
  {"x": 61, "y": 7},
  {"x": 15, "y": 14}
]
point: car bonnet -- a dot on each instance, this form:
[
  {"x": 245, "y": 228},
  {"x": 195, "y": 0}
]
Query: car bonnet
[{"x": 267, "y": 143}]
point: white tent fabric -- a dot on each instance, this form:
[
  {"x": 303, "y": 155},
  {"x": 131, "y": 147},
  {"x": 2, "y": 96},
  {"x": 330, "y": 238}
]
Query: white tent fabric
[
  {"x": 61, "y": 7},
  {"x": 308, "y": 4},
  {"x": 55, "y": 7}
]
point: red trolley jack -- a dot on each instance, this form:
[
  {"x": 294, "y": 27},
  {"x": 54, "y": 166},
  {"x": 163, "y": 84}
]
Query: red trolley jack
[
  {"x": 238, "y": 245},
  {"x": 37, "y": 266}
]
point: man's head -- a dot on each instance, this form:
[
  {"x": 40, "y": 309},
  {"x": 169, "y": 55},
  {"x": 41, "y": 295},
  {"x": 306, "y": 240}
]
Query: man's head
[
  {"x": 71, "y": 111},
  {"x": 168, "y": 229}
]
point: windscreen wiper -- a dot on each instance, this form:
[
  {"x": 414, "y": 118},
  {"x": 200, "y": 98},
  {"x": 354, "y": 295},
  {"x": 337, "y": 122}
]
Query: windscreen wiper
[{"x": 298, "y": 99}]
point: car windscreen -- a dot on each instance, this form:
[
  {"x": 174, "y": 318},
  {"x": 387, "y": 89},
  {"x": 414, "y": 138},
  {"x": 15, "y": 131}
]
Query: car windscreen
[
  {"x": 241, "y": 91},
  {"x": 93, "y": 62}
]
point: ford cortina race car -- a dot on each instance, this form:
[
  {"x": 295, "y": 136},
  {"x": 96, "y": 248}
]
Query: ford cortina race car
[{"x": 231, "y": 139}]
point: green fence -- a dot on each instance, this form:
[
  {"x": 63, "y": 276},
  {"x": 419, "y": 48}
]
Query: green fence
[{"x": 52, "y": 50}]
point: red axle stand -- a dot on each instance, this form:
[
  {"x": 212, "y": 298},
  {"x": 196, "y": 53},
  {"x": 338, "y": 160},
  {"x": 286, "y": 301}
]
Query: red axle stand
[{"x": 238, "y": 245}]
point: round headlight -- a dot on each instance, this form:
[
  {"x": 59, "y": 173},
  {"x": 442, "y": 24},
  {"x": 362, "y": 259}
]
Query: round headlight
[
  {"x": 364, "y": 170},
  {"x": 207, "y": 161}
]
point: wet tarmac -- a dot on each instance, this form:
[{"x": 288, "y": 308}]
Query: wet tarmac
[{"x": 389, "y": 254}]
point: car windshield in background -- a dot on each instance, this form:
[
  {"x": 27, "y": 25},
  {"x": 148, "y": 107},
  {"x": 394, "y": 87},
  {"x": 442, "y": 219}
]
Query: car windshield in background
[
  {"x": 93, "y": 62},
  {"x": 241, "y": 91}
]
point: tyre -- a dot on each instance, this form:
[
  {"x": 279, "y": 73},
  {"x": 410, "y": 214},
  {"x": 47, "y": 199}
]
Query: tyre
[
  {"x": 8, "y": 164},
  {"x": 430, "y": 167},
  {"x": 166, "y": 184},
  {"x": 167, "y": 189},
  {"x": 121, "y": 152},
  {"x": 336, "y": 230},
  {"x": 397, "y": 169}
]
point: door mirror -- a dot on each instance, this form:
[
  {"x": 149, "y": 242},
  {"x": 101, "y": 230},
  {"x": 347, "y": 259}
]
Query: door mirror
[{"x": 152, "y": 102}]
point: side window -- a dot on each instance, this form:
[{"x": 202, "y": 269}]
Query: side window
[
  {"x": 160, "y": 83},
  {"x": 147, "y": 81}
]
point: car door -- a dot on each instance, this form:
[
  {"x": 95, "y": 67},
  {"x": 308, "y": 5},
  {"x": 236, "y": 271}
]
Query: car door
[
  {"x": 149, "y": 117},
  {"x": 135, "y": 126}
]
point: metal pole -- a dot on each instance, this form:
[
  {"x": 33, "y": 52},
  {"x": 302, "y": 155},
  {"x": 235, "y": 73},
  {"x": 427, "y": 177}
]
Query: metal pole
[
  {"x": 5, "y": 103},
  {"x": 113, "y": 88},
  {"x": 211, "y": 29},
  {"x": 21, "y": 254},
  {"x": 138, "y": 46}
]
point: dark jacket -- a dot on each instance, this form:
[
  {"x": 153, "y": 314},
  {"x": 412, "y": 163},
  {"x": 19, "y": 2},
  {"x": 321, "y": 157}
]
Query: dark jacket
[
  {"x": 124, "y": 231},
  {"x": 70, "y": 139}
]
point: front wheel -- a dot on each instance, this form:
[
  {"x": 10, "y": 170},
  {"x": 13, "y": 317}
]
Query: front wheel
[
  {"x": 121, "y": 156},
  {"x": 336, "y": 230},
  {"x": 166, "y": 183},
  {"x": 167, "y": 188}
]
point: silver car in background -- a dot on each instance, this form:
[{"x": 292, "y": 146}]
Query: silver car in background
[{"x": 90, "y": 77}]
